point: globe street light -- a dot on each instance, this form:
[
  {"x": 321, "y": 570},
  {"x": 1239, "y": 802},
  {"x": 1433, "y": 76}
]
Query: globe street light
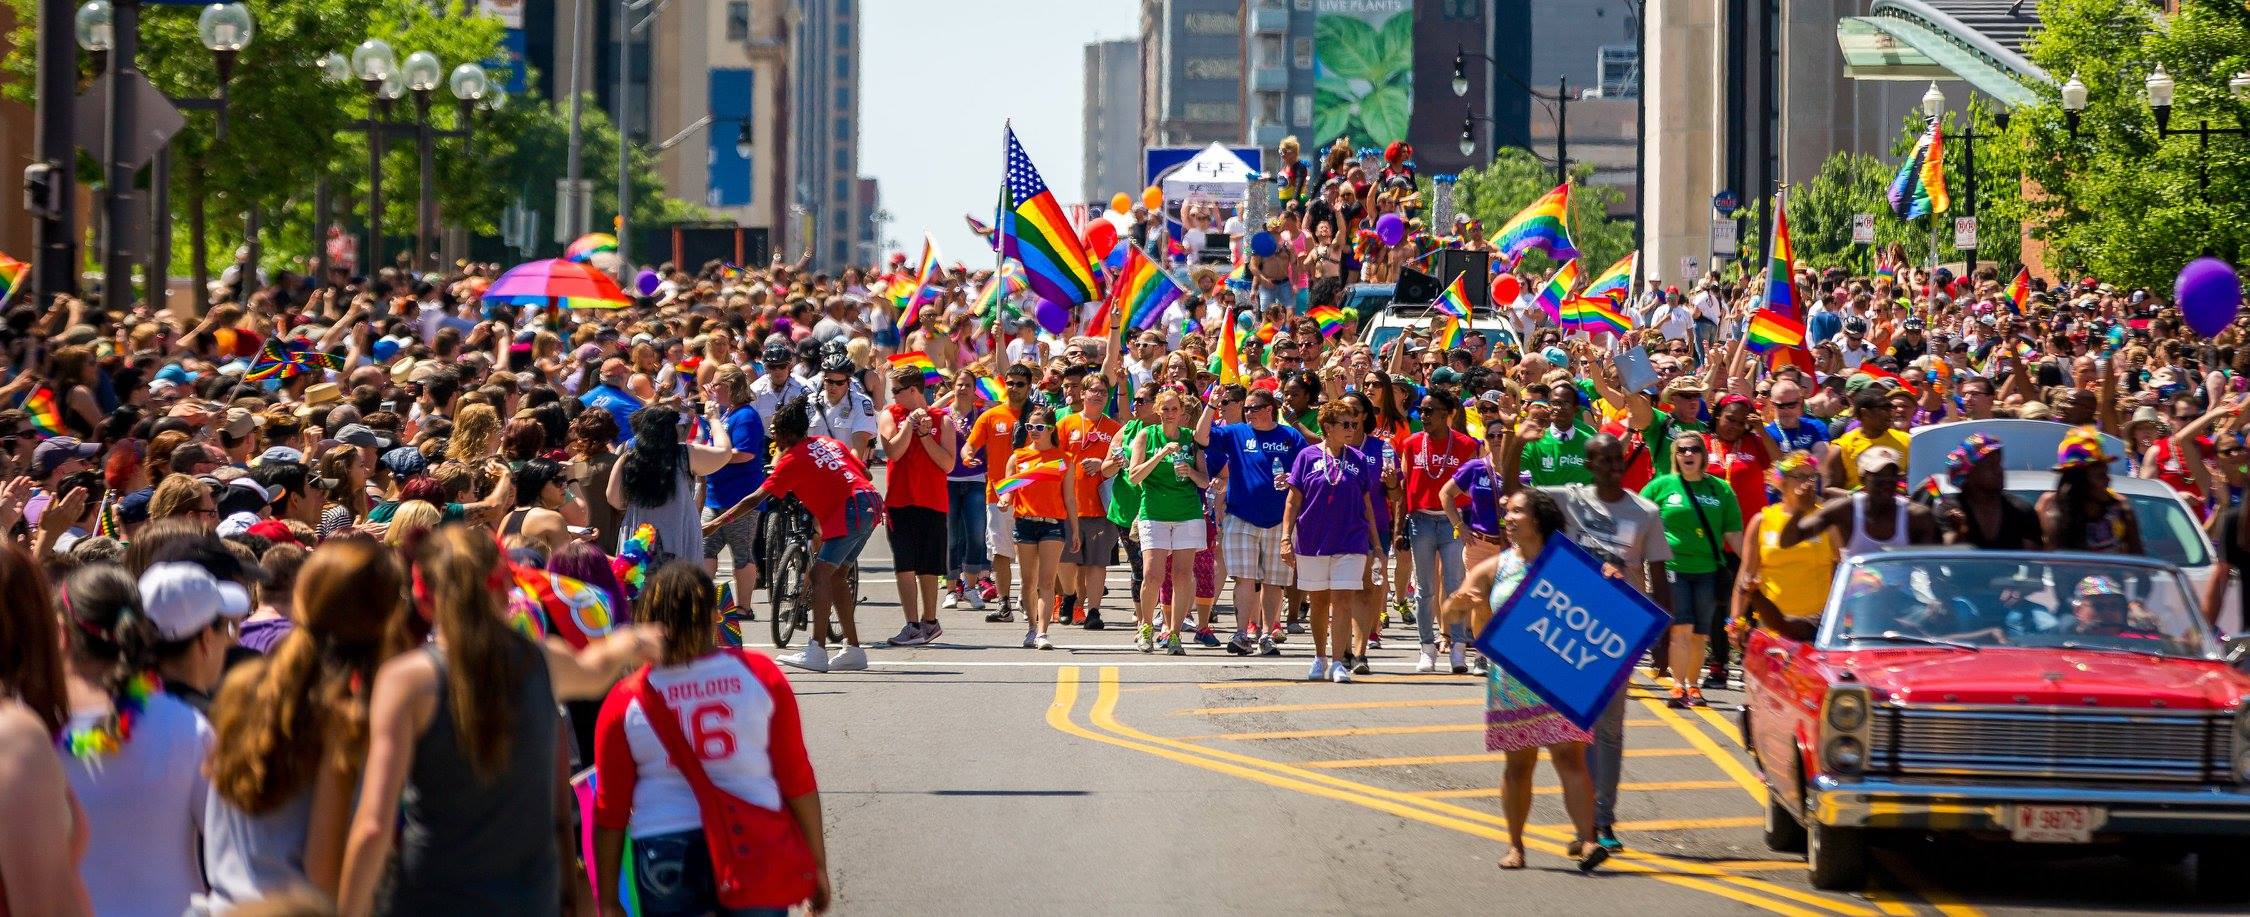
[
  {"x": 468, "y": 82},
  {"x": 2161, "y": 90},
  {"x": 373, "y": 60},
  {"x": 422, "y": 71},
  {"x": 2073, "y": 102},
  {"x": 94, "y": 26}
]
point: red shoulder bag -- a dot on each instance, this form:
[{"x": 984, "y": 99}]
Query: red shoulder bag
[{"x": 758, "y": 856}]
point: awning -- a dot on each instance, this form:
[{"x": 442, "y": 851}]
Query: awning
[{"x": 1889, "y": 46}]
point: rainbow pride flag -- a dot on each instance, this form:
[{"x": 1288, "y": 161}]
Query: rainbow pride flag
[
  {"x": 1044, "y": 472},
  {"x": 11, "y": 275},
  {"x": 2019, "y": 290},
  {"x": 1616, "y": 283},
  {"x": 1329, "y": 318},
  {"x": 1599, "y": 313},
  {"x": 1918, "y": 190},
  {"x": 1556, "y": 293},
  {"x": 991, "y": 390},
  {"x": 1238, "y": 279},
  {"x": 1138, "y": 298},
  {"x": 1455, "y": 300},
  {"x": 1450, "y": 333},
  {"x": 45, "y": 410},
  {"x": 584, "y": 248},
  {"x": 919, "y": 360},
  {"x": 1770, "y": 330},
  {"x": 1005, "y": 282},
  {"x": 289, "y": 359},
  {"x": 1545, "y": 225},
  {"x": 1034, "y": 231},
  {"x": 1229, "y": 355},
  {"x": 923, "y": 289}
]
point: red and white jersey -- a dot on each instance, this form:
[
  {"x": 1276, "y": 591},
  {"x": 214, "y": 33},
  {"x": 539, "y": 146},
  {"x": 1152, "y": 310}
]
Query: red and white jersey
[{"x": 739, "y": 716}]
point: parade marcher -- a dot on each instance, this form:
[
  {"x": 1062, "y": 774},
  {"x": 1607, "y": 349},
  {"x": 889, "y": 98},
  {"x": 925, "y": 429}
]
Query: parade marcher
[
  {"x": 966, "y": 560},
  {"x": 1428, "y": 460},
  {"x": 1046, "y": 514},
  {"x": 1253, "y": 458},
  {"x": 840, "y": 411},
  {"x": 990, "y": 442},
  {"x": 919, "y": 444},
  {"x": 1842, "y": 467},
  {"x": 654, "y": 480},
  {"x": 1328, "y": 534},
  {"x": 1784, "y": 588},
  {"x": 1168, "y": 469},
  {"x": 1089, "y": 434},
  {"x": 1703, "y": 523},
  {"x": 733, "y": 407}
]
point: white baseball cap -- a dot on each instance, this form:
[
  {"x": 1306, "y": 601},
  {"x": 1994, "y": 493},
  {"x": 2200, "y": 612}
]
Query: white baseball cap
[{"x": 183, "y": 599}]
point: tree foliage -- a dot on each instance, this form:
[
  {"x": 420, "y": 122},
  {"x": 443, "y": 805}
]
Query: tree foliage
[
  {"x": 2119, "y": 200},
  {"x": 1515, "y": 178}
]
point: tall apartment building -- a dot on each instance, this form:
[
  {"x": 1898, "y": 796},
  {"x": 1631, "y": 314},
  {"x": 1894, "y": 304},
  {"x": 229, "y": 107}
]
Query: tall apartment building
[
  {"x": 824, "y": 134},
  {"x": 726, "y": 61},
  {"x": 1192, "y": 72},
  {"x": 1112, "y": 156}
]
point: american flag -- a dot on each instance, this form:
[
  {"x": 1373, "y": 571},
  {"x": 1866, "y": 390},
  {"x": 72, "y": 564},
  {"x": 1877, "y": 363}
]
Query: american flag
[{"x": 1035, "y": 231}]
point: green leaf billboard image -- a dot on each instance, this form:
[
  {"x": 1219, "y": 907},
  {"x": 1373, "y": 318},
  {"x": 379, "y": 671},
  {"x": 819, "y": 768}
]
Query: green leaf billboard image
[{"x": 1364, "y": 79}]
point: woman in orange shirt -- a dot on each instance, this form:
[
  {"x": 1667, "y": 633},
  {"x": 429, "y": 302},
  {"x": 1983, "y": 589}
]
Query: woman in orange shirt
[{"x": 1046, "y": 509}]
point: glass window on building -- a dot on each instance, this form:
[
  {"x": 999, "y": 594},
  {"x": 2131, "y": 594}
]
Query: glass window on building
[
  {"x": 1620, "y": 67},
  {"x": 843, "y": 185},
  {"x": 1303, "y": 58},
  {"x": 843, "y": 159},
  {"x": 843, "y": 129},
  {"x": 843, "y": 68},
  {"x": 738, "y": 20},
  {"x": 843, "y": 35},
  {"x": 1269, "y": 107},
  {"x": 843, "y": 98},
  {"x": 1300, "y": 109}
]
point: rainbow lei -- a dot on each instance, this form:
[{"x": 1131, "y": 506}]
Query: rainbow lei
[{"x": 110, "y": 734}]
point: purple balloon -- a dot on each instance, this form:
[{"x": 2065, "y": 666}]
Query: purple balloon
[
  {"x": 1052, "y": 315},
  {"x": 2210, "y": 294},
  {"x": 1391, "y": 228},
  {"x": 646, "y": 282}
]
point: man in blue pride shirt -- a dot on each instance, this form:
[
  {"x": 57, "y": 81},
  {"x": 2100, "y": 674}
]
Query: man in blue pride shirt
[
  {"x": 1249, "y": 456},
  {"x": 611, "y": 396},
  {"x": 1792, "y": 429},
  {"x": 743, "y": 473}
]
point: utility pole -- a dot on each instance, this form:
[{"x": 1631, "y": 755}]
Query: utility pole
[
  {"x": 55, "y": 264},
  {"x": 117, "y": 172},
  {"x": 623, "y": 28},
  {"x": 574, "y": 169},
  {"x": 1562, "y": 130}
]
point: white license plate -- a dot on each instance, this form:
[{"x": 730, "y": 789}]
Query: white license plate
[{"x": 2055, "y": 824}]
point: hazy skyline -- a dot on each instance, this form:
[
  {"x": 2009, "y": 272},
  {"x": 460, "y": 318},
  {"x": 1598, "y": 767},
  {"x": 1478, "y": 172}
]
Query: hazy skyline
[{"x": 937, "y": 81}]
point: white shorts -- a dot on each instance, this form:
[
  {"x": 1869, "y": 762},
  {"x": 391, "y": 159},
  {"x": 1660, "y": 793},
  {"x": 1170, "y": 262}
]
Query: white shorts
[
  {"x": 1332, "y": 573},
  {"x": 1000, "y": 529},
  {"x": 1253, "y": 553},
  {"x": 1172, "y": 536}
]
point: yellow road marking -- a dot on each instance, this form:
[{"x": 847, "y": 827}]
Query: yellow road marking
[
  {"x": 1682, "y": 824},
  {"x": 1887, "y": 901},
  {"x": 1646, "y": 786},
  {"x": 1342, "y": 763},
  {"x": 1724, "y": 759},
  {"x": 1938, "y": 898},
  {"x": 1685, "y": 873},
  {"x": 1342, "y": 705},
  {"x": 1336, "y": 733},
  {"x": 1356, "y": 679}
]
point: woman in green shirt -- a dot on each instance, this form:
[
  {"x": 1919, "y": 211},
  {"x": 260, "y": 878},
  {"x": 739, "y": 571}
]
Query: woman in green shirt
[
  {"x": 1169, "y": 469},
  {"x": 1700, "y": 516}
]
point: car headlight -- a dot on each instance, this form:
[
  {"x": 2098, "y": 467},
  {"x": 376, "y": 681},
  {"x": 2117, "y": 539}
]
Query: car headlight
[
  {"x": 1847, "y": 710},
  {"x": 1845, "y": 755}
]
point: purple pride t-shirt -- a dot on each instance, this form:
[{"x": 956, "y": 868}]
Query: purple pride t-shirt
[{"x": 1332, "y": 519}]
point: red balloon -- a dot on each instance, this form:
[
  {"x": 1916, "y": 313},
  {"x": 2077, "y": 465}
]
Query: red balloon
[
  {"x": 1505, "y": 289},
  {"x": 1101, "y": 236}
]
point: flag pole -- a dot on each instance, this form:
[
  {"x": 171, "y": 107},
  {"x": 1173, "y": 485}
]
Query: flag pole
[{"x": 999, "y": 258}]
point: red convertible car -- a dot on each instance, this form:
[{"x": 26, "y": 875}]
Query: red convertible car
[{"x": 2040, "y": 698}]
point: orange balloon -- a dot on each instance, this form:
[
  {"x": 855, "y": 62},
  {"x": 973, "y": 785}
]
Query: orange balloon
[
  {"x": 1152, "y": 197},
  {"x": 1121, "y": 203}
]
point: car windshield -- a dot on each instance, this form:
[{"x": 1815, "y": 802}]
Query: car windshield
[
  {"x": 1972, "y": 600},
  {"x": 2167, "y": 531}
]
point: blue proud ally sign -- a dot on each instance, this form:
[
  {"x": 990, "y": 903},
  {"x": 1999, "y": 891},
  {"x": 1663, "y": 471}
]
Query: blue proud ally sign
[{"x": 1569, "y": 633}]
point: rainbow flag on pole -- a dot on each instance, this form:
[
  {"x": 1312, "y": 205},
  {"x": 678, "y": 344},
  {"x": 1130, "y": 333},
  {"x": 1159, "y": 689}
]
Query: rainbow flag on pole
[
  {"x": 1455, "y": 300},
  {"x": 921, "y": 361},
  {"x": 1545, "y": 225},
  {"x": 2019, "y": 290},
  {"x": 11, "y": 275},
  {"x": 1329, "y": 318},
  {"x": 1229, "y": 357},
  {"x": 1138, "y": 298},
  {"x": 1552, "y": 297},
  {"x": 1598, "y": 313},
  {"x": 1771, "y": 331},
  {"x": 1042, "y": 472},
  {"x": 1616, "y": 283},
  {"x": 923, "y": 289},
  {"x": 1781, "y": 291},
  {"x": 990, "y": 390},
  {"x": 1035, "y": 231},
  {"x": 1450, "y": 334},
  {"x": 45, "y": 410},
  {"x": 1918, "y": 190}
]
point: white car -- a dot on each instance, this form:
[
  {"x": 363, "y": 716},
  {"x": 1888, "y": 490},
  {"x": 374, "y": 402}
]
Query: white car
[{"x": 1396, "y": 319}]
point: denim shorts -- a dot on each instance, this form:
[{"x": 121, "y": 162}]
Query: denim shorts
[
  {"x": 860, "y": 515},
  {"x": 1695, "y": 599},
  {"x": 1034, "y": 531},
  {"x": 672, "y": 876}
]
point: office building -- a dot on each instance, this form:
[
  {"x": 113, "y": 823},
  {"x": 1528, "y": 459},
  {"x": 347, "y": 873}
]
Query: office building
[
  {"x": 721, "y": 71},
  {"x": 1112, "y": 157},
  {"x": 824, "y": 134},
  {"x": 1192, "y": 72}
]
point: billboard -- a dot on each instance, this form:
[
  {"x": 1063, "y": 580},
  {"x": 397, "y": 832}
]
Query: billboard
[{"x": 1363, "y": 80}]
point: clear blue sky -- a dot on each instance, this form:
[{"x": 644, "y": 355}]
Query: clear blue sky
[{"x": 938, "y": 79}]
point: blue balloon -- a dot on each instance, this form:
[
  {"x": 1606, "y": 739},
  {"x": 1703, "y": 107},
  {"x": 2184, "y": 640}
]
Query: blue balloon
[{"x": 1263, "y": 244}]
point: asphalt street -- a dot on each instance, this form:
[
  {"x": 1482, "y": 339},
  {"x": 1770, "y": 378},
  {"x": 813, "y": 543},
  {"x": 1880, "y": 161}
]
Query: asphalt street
[{"x": 976, "y": 777}]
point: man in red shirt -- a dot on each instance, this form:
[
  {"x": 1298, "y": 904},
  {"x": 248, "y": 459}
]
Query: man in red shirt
[{"x": 919, "y": 442}]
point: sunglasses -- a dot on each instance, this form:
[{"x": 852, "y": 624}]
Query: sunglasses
[
  {"x": 1037, "y": 427},
  {"x": 1018, "y": 383},
  {"x": 834, "y": 381},
  {"x": 1344, "y": 425},
  {"x": 1688, "y": 447},
  {"x": 1786, "y": 405}
]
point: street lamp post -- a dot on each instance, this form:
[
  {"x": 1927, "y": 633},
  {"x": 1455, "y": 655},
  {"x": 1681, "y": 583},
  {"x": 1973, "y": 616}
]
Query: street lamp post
[
  {"x": 2160, "y": 91},
  {"x": 1561, "y": 100},
  {"x": 468, "y": 84},
  {"x": 376, "y": 66},
  {"x": 1933, "y": 105}
]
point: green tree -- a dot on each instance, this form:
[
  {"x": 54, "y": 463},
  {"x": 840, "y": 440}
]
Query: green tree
[
  {"x": 2118, "y": 200},
  {"x": 1515, "y": 178}
]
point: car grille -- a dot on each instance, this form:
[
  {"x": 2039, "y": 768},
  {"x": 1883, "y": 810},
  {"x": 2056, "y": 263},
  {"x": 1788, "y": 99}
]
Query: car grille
[{"x": 2050, "y": 743}]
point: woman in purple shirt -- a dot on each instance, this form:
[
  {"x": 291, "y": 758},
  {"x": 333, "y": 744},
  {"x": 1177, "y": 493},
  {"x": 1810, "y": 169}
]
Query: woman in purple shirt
[
  {"x": 1366, "y": 608},
  {"x": 1327, "y": 531},
  {"x": 1478, "y": 479}
]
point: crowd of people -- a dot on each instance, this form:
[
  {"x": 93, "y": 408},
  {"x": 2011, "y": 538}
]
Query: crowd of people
[{"x": 293, "y": 627}]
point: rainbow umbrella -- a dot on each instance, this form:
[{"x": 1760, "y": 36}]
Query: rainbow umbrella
[
  {"x": 558, "y": 282},
  {"x": 587, "y": 246}
]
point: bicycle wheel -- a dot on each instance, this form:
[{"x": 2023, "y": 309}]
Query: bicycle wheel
[{"x": 785, "y": 594}]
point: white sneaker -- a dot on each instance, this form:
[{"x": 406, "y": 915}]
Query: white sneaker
[
  {"x": 976, "y": 597},
  {"x": 1476, "y": 664},
  {"x": 813, "y": 658},
  {"x": 1043, "y": 643},
  {"x": 1460, "y": 659},
  {"x": 849, "y": 659},
  {"x": 1319, "y": 670},
  {"x": 1340, "y": 674},
  {"x": 1427, "y": 662},
  {"x": 951, "y": 599},
  {"x": 1030, "y": 639}
]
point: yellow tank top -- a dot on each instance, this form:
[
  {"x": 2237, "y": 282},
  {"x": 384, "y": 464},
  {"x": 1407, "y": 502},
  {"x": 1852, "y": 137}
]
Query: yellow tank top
[{"x": 1795, "y": 578}]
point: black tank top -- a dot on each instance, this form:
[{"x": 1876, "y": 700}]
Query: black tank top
[{"x": 482, "y": 848}]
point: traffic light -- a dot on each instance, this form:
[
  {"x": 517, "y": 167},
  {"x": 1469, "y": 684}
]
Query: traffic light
[{"x": 42, "y": 190}]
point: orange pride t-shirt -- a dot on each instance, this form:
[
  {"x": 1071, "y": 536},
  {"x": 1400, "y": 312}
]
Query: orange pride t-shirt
[
  {"x": 1039, "y": 499},
  {"x": 1088, "y": 438},
  {"x": 994, "y": 435}
]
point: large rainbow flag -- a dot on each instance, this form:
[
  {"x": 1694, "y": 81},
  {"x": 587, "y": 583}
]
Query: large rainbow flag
[
  {"x": 11, "y": 275},
  {"x": 1229, "y": 356},
  {"x": 1616, "y": 283},
  {"x": 1597, "y": 313},
  {"x": 1138, "y": 298},
  {"x": 1545, "y": 225},
  {"x": 1781, "y": 289},
  {"x": 1557, "y": 292},
  {"x": 1770, "y": 331},
  {"x": 1918, "y": 189},
  {"x": 1033, "y": 230},
  {"x": 1043, "y": 471}
]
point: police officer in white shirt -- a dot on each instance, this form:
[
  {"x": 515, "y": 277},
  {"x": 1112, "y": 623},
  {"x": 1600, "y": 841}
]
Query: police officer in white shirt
[
  {"x": 774, "y": 389},
  {"x": 1855, "y": 348},
  {"x": 841, "y": 411}
]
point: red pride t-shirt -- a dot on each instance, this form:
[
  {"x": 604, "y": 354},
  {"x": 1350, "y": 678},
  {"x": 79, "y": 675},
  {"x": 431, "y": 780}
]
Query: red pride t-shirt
[
  {"x": 1428, "y": 460},
  {"x": 916, "y": 479},
  {"x": 822, "y": 474}
]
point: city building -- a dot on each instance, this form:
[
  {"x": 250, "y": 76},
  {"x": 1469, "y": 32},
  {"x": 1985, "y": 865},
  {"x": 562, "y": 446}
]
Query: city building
[
  {"x": 1191, "y": 72},
  {"x": 721, "y": 72},
  {"x": 1112, "y": 157},
  {"x": 1585, "y": 50},
  {"x": 824, "y": 134}
]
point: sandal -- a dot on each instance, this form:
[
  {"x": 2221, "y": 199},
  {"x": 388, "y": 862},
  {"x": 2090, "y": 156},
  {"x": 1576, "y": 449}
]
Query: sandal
[
  {"x": 1594, "y": 855},
  {"x": 1513, "y": 859}
]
